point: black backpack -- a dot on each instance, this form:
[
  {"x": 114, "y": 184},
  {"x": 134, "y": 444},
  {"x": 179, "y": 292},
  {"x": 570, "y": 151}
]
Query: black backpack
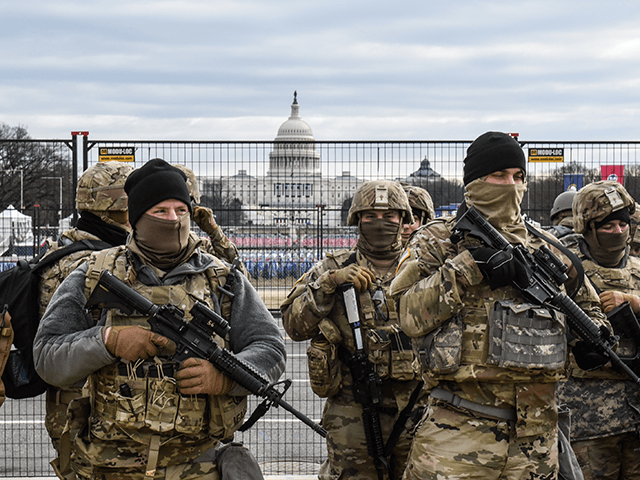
[{"x": 20, "y": 292}]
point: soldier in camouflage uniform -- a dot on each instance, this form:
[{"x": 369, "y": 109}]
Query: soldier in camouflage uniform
[
  {"x": 421, "y": 207},
  {"x": 314, "y": 309},
  {"x": 102, "y": 204},
  {"x": 218, "y": 244},
  {"x": 561, "y": 214},
  {"x": 492, "y": 412},
  {"x": 604, "y": 403},
  {"x": 146, "y": 416}
]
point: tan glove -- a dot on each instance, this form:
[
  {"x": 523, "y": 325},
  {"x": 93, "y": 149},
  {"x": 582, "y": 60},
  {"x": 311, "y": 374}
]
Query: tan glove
[
  {"x": 200, "y": 376},
  {"x": 612, "y": 299},
  {"x": 204, "y": 218},
  {"x": 134, "y": 342},
  {"x": 362, "y": 278}
]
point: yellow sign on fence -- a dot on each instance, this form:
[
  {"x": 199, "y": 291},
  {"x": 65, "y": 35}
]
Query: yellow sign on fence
[
  {"x": 546, "y": 154},
  {"x": 116, "y": 154}
]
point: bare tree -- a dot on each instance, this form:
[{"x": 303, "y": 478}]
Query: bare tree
[{"x": 29, "y": 170}]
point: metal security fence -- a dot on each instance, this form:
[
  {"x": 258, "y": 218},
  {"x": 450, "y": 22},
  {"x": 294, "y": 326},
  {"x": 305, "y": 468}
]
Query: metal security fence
[{"x": 284, "y": 204}]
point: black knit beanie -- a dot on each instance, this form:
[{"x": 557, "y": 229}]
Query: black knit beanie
[
  {"x": 152, "y": 183},
  {"x": 623, "y": 215},
  {"x": 491, "y": 152}
]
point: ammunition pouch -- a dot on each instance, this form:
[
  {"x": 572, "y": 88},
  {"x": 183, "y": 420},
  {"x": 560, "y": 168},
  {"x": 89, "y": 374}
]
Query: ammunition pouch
[
  {"x": 133, "y": 400},
  {"x": 325, "y": 368},
  {"x": 522, "y": 335},
  {"x": 390, "y": 353}
]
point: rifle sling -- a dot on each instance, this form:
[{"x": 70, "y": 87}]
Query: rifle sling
[
  {"x": 257, "y": 414},
  {"x": 401, "y": 421}
]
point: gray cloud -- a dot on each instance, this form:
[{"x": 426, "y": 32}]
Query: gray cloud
[{"x": 409, "y": 70}]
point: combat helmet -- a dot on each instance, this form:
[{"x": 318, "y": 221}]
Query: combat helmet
[
  {"x": 562, "y": 203},
  {"x": 101, "y": 187},
  {"x": 598, "y": 200},
  {"x": 380, "y": 195},
  {"x": 419, "y": 199},
  {"x": 192, "y": 183}
]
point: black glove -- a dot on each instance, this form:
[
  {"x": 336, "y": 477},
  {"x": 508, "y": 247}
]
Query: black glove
[
  {"x": 498, "y": 267},
  {"x": 587, "y": 357}
]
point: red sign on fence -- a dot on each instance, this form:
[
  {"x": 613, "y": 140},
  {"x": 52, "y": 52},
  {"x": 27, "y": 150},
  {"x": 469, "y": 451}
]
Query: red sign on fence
[{"x": 612, "y": 172}]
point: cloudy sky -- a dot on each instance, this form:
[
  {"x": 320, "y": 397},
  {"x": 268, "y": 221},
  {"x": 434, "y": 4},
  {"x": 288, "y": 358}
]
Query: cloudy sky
[{"x": 363, "y": 70}]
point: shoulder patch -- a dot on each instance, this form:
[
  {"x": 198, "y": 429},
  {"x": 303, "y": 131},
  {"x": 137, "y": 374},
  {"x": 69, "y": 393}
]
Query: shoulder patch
[{"x": 405, "y": 255}]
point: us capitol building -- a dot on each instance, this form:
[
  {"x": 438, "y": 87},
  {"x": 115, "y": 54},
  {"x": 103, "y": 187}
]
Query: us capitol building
[{"x": 293, "y": 191}]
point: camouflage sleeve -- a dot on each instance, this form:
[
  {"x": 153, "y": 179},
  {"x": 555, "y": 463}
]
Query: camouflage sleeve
[
  {"x": 219, "y": 251},
  {"x": 431, "y": 281},
  {"x": 311, "y": 299},
  {"x": 222, "y": 246}
]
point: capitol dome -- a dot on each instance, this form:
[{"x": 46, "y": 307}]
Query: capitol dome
[
  {"x": 294, "y": 151},
  {"x": 294, "y": 129}
]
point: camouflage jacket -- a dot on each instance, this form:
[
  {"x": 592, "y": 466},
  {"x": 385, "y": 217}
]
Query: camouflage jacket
[
  {"x": 315, "y": 308},
  {"x": 603, "y": 402},
  {"x": 440, "y": 291}
]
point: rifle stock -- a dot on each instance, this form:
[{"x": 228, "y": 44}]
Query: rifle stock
[
  {"x": 194, "y": 339},
  {"x": 544, "y": 272}
]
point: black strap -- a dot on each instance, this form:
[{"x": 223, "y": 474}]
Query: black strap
[
  {"x": 568, "y": 253},
  {"x": 257, "y": 414},
  {"x": 41, "y": 262},
  {"x": 401, "y": 421}
]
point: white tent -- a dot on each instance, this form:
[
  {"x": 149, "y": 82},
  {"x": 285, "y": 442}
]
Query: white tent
[{"x": 15, "y": 228}]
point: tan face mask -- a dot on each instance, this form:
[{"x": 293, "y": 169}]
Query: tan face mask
[
  {"x": 500, "y": 205},
  {"x": 607, "y": 248},
  {"x": 159, "y": 238},
  {"x": 380, "y": 238}
]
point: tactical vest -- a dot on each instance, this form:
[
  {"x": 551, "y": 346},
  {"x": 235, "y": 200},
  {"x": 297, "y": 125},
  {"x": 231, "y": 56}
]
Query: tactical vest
[
  {"x": 137, "y": 402},
  {"x": 497, "y": 337},
  {"x": 388, "y": 348}
]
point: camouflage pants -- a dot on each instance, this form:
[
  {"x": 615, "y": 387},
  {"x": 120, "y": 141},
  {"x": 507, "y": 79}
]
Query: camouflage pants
[
  {"x": 347, "y": 456},
  {"x": 450, "y": 444},
  {"x": 609, "y": 458}
]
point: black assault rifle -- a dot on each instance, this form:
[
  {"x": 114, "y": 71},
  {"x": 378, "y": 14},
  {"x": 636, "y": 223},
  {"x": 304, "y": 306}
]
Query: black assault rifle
[
  {"x": 367, "y": 386},
  {"x": 544, "y": 272},
  {"x": 194, "y": 339}
]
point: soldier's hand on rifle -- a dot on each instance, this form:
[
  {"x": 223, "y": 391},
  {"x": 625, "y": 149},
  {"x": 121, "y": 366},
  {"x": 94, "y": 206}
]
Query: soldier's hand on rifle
[
  {"x": 612, "y": 299},
  {"x": 500, "y": 268},
  {"x": 200, "y": 376},
  {"x": 362, "y": 278},
  {"x": 204, "y": 218},
  {"x": 134, "y": 342}
]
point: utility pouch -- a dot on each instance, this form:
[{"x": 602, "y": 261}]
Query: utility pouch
[
  {"x": 191, "y": 413},
  {"x": 441, "y": 350},
  {"x": 522, "y": 335},
  {"x": 130, "y": 399},
  {"x": 401, "y": 357},
  {"x": 162, "y": 404},
  {"x": 325, "y": 372},
  {"x": 379, "y": 347}
]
